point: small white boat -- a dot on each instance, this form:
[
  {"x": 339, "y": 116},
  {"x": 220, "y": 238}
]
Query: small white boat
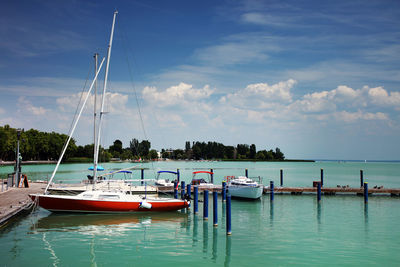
[
  {"x": 166, "y": 182},
  {"x": 202, "y": 183},
  {"x": 244, "y": 187}
]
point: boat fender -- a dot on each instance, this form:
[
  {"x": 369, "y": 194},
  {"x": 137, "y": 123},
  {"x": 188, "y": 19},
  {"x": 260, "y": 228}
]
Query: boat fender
[{"x": 145, "y": 205}]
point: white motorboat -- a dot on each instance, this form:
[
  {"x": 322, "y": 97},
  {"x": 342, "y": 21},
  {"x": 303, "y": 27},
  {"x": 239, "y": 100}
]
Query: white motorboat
[{"x": 244, "y": 187}]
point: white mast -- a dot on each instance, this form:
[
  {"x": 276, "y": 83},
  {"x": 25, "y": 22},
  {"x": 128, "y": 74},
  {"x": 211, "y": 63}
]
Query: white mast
[
  {"x": 94, "y": 114},
  {"x": 103, "y": 98}
]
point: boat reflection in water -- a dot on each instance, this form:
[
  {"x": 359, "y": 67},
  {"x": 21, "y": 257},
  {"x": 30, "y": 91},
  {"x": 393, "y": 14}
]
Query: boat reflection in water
[{"x": 111, "y": 222}]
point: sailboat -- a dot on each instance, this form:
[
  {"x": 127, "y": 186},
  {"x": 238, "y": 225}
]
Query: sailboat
[{"x": 100, "y": 200}]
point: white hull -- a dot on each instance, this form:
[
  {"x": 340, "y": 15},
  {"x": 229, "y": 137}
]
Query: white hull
[{"x": 250, "y": 192}]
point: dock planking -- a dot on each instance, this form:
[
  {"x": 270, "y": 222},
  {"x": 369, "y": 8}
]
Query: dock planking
[{"x": 15, "y": 200}]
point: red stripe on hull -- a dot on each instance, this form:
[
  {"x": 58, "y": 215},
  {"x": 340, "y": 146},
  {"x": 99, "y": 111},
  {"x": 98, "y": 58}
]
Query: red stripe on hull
[{"x": 78, "y": 205}]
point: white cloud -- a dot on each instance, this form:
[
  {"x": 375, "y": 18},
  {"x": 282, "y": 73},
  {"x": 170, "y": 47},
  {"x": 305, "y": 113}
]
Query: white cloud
[
  {"x": 25, "y": 106},
  {"x": 261, "y": 95},
  {"x": 174, "y": 95},
  {"x": 381, "y": 97},
  {"x": 359, "y": 115}
]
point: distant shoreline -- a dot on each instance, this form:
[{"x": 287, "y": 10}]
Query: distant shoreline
[{"x": 28, "y": 162}]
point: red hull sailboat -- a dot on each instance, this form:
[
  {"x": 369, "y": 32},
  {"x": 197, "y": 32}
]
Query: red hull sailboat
[{"x": 102, "y": 201}]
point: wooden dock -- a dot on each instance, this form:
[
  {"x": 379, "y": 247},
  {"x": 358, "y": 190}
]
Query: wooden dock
[
  {"x": 16, "y": 201},
  {"x": 334, "y": 190},
  {"x": 309, "y": 190}
]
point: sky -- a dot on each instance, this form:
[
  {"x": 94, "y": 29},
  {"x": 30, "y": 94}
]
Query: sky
[{"x": 318, "y": 79}]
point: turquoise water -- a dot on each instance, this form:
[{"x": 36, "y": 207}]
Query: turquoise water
[{"x": 293, "y": 230}]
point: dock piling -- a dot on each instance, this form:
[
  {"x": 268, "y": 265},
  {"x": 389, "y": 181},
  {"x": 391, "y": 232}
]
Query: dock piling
[
  {"x": 281, "y": 172},
  {"x": 223, "y": 191},
  {"x": 361, "y": 178},
  {"x": 319, "y": 192},
  {"x": 196, "y": 200},
  {"x": 365, "y": 192},
  {"x": 182, "y": 189},
  {"x": 322, "y": 177},
  {"x": 205, "y": 205},
  {"x": 271, "y": 186},
  {"x": 246, "y": 173},
  {"x": 228, "y": 215},
  {"x": 215, "y": 208},
  {"x": 175, "y": 189},
  {"x": 189, "y": 190}
]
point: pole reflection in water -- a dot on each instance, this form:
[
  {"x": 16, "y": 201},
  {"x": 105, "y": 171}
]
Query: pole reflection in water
[
  {"x": 48, "y": 247},
  {"x": 319, "y": 213},
  {"x": 195, "y": 230},
  {"x": 271, "y": 213},
  {"x": 228, "y": 244},
  {"x": 215, "y": 244},
  {"x": 205, "y": 237}
]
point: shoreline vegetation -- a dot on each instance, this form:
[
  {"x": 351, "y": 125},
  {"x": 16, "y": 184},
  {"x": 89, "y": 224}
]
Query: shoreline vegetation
[{"x": 38, "y": 147}]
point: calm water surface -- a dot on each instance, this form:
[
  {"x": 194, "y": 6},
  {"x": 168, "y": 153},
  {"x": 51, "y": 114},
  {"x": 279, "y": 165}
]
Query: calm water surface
[{"x": 294, "y": 230}]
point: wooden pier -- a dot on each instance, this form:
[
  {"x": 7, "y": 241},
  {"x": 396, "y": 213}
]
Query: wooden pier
[
  {"x": 16, "y": 201},
  {"x": 334, "y": 190},
  {"x": 309, "y": 190}
]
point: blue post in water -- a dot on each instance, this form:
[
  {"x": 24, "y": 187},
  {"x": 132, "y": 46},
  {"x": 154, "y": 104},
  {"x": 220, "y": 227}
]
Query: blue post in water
[
  {"x": 215, "y": 208},
  {"x": 205, "y": 205},
  {"x": 175, "y": 189},
  {"x": 223, "y": 191},
  {"x": 246, "y": 173},
  {"x": 361, "y": 178},
  {"x": 271, "y": 189},
  {"x": 189, "y": 190},
  {"x": 322, "y": 177},
  {"x": 319, "y": 192},
  {"x": 365, "y": 192},
  {"x": 182, "y": 189},
  {"x": 178, "y": 175},
  {"x": 142, "y": 176},
  {"x": 196, "y": 200},
  {"x": 281, "y": 177},
  {"x": 228, "y": 215},
  {"x": 212, "y": 176}
]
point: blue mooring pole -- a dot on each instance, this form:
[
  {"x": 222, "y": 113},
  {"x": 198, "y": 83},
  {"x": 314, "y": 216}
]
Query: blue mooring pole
[
  {"x": 212, "y": 176},
  {"x": 182, "y": 189},
  {"x": 361, "y": 178},
  {"x": 189, "y": 190},
  {"x": 215, "y": 208},
  {"x": 223, "y": 191},
  {"x": 142, "y": 176},
  {"x": 366, "y": 192},
  {"x": 322, "y": 177},
  {"x": 281, "y": 177},
  {"x": 246, "y": 173},
  {"x": 178, "y": 175},
  {"x": 196, "y": 200},
  {"x": 319, "y": 192},
  {"x": 271, "y": 190},
  {"x": 228, "y": 215},
  {"x": 205, "y": 205},
  {"x": 175, "y": 189}
]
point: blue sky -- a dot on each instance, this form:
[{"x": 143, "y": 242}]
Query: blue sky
[{"x": 318, "y": 79}]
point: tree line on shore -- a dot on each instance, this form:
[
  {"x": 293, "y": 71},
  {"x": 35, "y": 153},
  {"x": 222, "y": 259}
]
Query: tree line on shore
[{"x": 38, "y": 145}]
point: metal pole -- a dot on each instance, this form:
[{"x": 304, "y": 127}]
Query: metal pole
[
  {"x": 142, "y": 176},
  {"x": 246, "y": 173},
  {"x": 212, "y": 176},
  {"x": 94, "y": 115},
  {"x": 281, "y": 171},
  {"x": 189, "y": 190}
]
